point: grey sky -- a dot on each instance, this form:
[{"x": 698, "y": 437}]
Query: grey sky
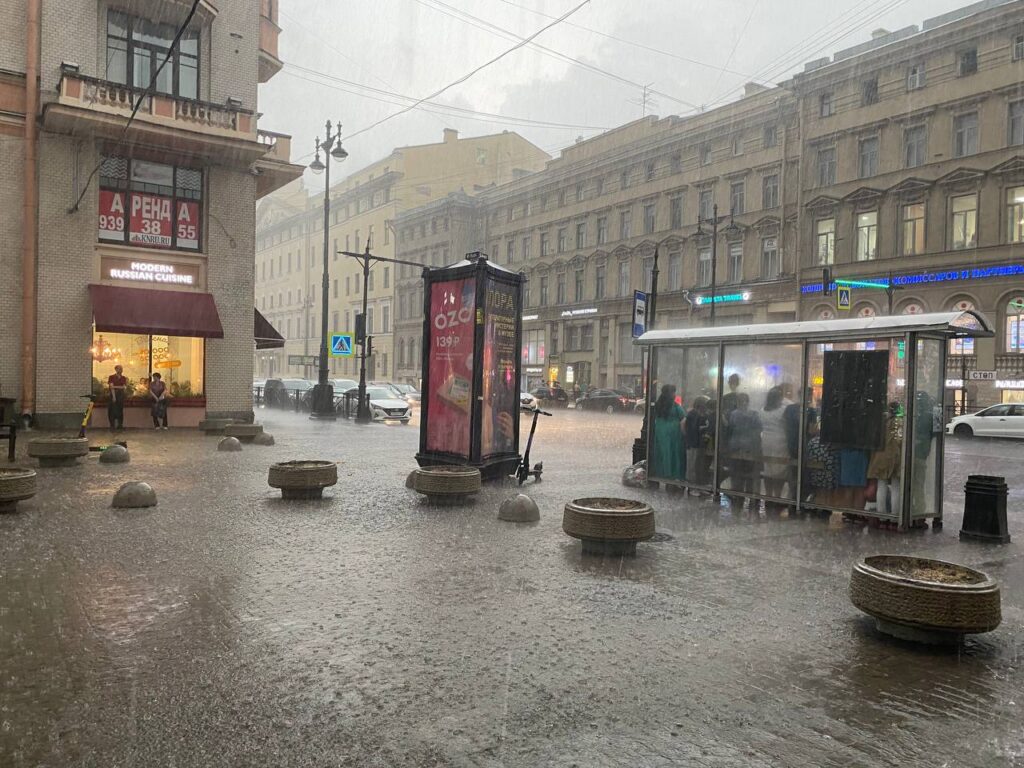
[{"x": 414, "y": 47}]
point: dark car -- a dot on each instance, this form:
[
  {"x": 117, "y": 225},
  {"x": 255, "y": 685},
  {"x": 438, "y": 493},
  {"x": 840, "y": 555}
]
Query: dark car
[
  {"x": 552, "y": 396},
  {"x": 282, "y": 393},
  {"x": 607, "y": 400}
]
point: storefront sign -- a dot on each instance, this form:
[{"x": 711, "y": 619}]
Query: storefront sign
[
  {"x": 527, "y": 318},
  {"x": 982, "y": 375},
  {"x": 168, "y": 364},
  {"x": 134, "y": 270},
  {"x": 578, "y": 312},
  {"x": 724, "y": 298},
  {"x": 452, "y": 310},
  {"x": 536, "y": 371},
  {"x": 1009, "y": 383},
  {"x": 150, "y": 220},
  {"x": 303, "y": 359},
  {"x": 977, "y": 273}
]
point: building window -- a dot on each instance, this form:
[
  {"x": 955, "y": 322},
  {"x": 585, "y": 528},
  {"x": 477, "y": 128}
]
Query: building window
[
  {"x": 737, "y": 145},
  {"x": 1015, "y": 134},
  {"x": 151, "y": 205},
  {"x": 578, "y": 285},
  {"x": 706, "y": 204},
  {"x": 587, "y": 337},
  {"x": 825, "y": 108},
  {"x": 649, "y": 221},
  {"x": 533, "y": 347},
  {"x": 647, "y": 267},
  {"x": 563, "y": 240},
  {"x": 771, "y": 136},
  {"x": 628, "y": 351},
  {"x": 770, "y": 191},
  {"x": 825, "y": 234},
  {"x": 526, "y": 248},
  {"x": 676, "y": 162},
  {"x": 1015, "y": 215},
  {"x": 915, "y": 146},
  {"x": 599, "y": 189},
  {"x": 735, "y": 262},
  {"x": 579, "y": 192},
  {"x": 771, "y": 262},
  {"x": 599, "y": 282},
  {"x": 510, "y": 251},
  {"x": 623, "y": 278},
  {"x": 602, "y": 230},
  {"x": 964, "y": 221},
  {"x": 913, "y": 229},
  {"x": 867, "y": 236},
  {"x": 967, "y": 62},
  {"x": 544, "y": 291},
  {"x": 676, "y": 212},
  {"x": 737, "y": 197},
  {"x": 370, "y": 282},
  {"x": 869, "y": 91},
  {"x": 581, "y": 235},
  {"x": 826, "y": 166},
  {"x": 1018, "y": 47},
  {"x": 705, "y": 154},
  {"x": 649, "y": 171},
  {"x": 624, "y": 179},
  {"x": 545, "y": 244},
  {"x": 560, "y": 289},
  {"x": 387, "y": 277},
  {"x": 965, "y": 134},
  {"x": 334, "y": 290},
  {"x": 915, "y": 77},
  {"x": 703, "y": 267},
  {"x": 624, "y": 225},
  {"x": 867, "y": 157},
  {"x": 137, "y": 47},
  {"x": 1015, "y": 326},
  {"x": 675, "y": 270},
  {"x": 561, "y": 198},
  {"x": 385, "y": 318}
]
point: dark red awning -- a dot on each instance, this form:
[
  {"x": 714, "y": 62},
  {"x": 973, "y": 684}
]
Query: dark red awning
[
  {"x": 161, "y": 313},
  {"x": 265, "y": 334}
]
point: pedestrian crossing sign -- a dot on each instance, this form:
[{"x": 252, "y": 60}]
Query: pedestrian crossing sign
[
  {"x": 843, "y": 297},
  {"x": 341, "y": 345}
]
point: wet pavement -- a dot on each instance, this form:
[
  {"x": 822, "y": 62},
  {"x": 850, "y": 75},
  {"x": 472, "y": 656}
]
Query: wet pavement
[{"x": 227, "y": 627}]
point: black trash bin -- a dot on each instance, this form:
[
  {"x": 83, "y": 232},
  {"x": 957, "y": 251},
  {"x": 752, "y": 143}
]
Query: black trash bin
[{"x": 985, "y": 510}]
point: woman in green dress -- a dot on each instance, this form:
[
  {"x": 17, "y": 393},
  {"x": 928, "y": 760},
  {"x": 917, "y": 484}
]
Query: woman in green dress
[{"x": 669, "y": 452}]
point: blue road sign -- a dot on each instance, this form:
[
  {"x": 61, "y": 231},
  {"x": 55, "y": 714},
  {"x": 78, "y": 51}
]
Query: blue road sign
[
  {"x": 639, "y": 314},
  {"x": 341, "y": 345}
]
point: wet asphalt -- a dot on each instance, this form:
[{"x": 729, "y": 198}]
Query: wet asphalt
[{"x": 225, "y": 627}]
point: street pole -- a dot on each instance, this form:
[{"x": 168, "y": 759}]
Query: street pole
[
  {"x": 640, "y": 445},
  {"x": 323, "y": 392},
  {"x": 363, "y": 409},
  {"x": 714, "y": 258}
]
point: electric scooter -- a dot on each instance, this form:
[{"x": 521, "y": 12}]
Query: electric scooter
[
  {"x": 85, "y": 423},
  {"x": 523, "y": 471}
]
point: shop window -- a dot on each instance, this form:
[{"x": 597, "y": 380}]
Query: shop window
[
  {"x": 178, "y": 359},
  {"x": 137, "y": 47},
  {"x": 1015, "y": 326},
  {"x": 150, "y": 205},
  {"x": 533, "y": 347}
]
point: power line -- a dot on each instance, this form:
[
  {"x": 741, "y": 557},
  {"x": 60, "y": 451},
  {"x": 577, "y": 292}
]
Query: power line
[
  {"x": 148, "y": 92},
  {"x": 736, "y": 44},
  {"x": 472, "y": 72}
]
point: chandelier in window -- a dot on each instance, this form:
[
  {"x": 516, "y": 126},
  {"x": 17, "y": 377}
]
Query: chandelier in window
[{"x": 102, "y": 351}]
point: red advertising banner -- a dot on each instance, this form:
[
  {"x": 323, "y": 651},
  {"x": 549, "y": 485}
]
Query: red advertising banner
[
  {"x": 449, "y": 401},
  {"x": 111, "y": 221},
  {"x": 150, "y": 221},
  {"x": 187, "y": 222}
]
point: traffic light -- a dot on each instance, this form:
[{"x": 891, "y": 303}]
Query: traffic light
[
  {"x": 826, "y": 281},
  {"x": 369, "y": 346},
  {"x": 360, "y": 328}
]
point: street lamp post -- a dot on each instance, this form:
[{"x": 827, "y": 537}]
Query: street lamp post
[
  {"x": 323, "y": 392},
  {"x": 714, "y": 221}
]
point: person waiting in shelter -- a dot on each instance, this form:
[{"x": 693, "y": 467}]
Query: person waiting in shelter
[
  {"x": 699, "y": 443},
  {"x": 117, "y": 385},
  {"x": 158, "y": 391},
  {"x": 774, "y": 442},
  {"x": 669, "y": 452},
  {"x": 744, "y": 445}
]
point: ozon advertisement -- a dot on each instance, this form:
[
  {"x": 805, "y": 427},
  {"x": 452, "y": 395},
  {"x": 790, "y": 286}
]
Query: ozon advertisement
[{"x": 449, "y": 402}]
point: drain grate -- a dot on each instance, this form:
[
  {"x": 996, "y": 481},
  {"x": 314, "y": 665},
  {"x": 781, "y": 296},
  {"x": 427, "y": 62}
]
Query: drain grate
[{"x": 659, "y": 537}]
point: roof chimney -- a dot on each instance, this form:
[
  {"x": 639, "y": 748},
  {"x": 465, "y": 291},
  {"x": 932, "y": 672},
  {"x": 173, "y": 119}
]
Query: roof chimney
[
  {"x": 450, "y": 135},
  {"x": 879, "y": 33}
]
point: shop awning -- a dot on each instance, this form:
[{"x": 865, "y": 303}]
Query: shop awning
[
  {"x": 165, "y": 313},
  {"x": 266, "y": 335}
]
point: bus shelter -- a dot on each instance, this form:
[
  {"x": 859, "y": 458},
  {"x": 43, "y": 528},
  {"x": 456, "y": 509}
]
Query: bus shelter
[{"x": 836, "y": 415}]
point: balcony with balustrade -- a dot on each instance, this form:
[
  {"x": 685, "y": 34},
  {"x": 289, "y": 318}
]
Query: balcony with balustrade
[
  {"x": 275, "y": 169},
  {"x": 269, "y": 63}
]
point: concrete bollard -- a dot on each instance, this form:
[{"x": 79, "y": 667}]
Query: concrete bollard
[
  {"x": 134, "y": 495},
  {"x": 519, "y": 509},
  {"x": 229, "y": 444}
]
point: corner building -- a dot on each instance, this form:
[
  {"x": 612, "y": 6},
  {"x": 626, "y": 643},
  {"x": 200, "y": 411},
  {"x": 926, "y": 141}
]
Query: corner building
[{"x": 137, "y": 240}]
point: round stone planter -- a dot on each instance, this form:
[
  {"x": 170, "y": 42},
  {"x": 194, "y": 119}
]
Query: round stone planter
[
  {"x": 245, "y": 433},
  {"x": 923, "y": 600},
  {"x": 446, "y": 485},
  {"x": 302, "y": 479},
  {"x": 58, "y": 451},
  {"x": 16, "y": 484},
  {"x": 214, "y": 426},
  {"x": 608, "y": 526}
]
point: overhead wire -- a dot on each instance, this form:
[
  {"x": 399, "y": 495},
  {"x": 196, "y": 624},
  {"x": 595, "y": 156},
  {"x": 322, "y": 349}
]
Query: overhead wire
[{"x": 736, "y": 44}]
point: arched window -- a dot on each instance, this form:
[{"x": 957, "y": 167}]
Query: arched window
[
  {"x": 866, "y": 311},
  {"x": 1015, "y": 325},
  {"x": 913, "y": 308},
  {"x": 963, "y": 346},
  {"x": 413, "y": 361},
  {"x": 826, "y": 314}
]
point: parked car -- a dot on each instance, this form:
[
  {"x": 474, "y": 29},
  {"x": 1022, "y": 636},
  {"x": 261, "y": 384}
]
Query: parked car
[
  {"x": 552, "y": 396},
  {"x": 281, "y": 393},
  {"x": 1004, "y": 420},
  {"x": 608, "y": 400},
  {"x": 384, "y": 405},
  {"x": 408, "y": 392},
  {"x": 526, "y": 400}
]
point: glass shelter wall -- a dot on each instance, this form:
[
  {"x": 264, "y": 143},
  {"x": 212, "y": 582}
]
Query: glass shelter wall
[{"x": 926, "y": 446}]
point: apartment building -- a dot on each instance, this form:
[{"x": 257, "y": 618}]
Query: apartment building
[
  {"x": 136, "y": 242},
  {"x": 903, "y": 155},
  {"x": 364, "y": 208}
]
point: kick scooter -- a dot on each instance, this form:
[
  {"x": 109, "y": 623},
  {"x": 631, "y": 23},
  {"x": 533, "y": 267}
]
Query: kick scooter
[{"x": 523, "y": 471}]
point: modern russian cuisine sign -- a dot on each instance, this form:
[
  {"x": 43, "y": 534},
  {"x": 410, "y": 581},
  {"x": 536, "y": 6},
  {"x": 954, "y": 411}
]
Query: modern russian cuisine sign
[{"x": 159, "y": 273}]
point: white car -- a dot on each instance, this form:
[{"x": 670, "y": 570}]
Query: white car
[
  {"x": 1004, "y": 420},
  {"x": 386, "y": 406},
  {"x": 527, "y": 401}
]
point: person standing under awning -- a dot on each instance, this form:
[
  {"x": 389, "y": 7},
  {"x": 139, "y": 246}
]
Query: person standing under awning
[{"x": 117, "y": 384}]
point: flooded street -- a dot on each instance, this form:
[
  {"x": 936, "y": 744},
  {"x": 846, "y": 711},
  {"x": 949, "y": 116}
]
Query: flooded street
[{"x": 226, "y": 627}]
